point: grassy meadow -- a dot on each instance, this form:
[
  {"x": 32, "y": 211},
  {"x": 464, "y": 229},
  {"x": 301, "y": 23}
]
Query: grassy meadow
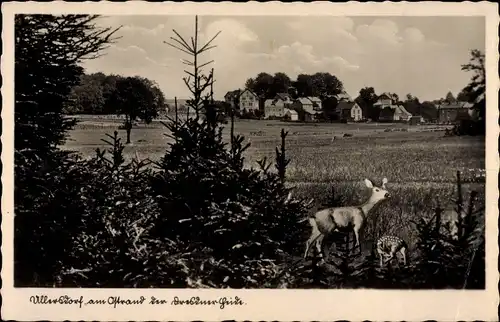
[{"x": 419, "y": 161}]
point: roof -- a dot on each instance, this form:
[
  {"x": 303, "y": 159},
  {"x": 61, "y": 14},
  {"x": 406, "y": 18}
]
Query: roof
[
  {"x": 342, "y": 96},
  {"x": 390, "y": 111},
  {"x": 386, "y": 94},
  {"x": 346, "y": 105},
  {"x": 272, "y": 101},
  {"x": 314, "y": 99},
  {"x": 287, "y": 110},
  {"x": 403, "y": 110},
  {"x": 304, "y": 100},
  {"x": 284, "y": 96},
  {"x": 233, "y": 94},
  {"x": 457, "y": 105},
  {"x": 249, "y": 91}
]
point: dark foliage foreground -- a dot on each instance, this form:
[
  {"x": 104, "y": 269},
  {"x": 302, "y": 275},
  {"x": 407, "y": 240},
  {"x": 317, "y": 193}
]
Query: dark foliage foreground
[{"x": 202, "y": 220}]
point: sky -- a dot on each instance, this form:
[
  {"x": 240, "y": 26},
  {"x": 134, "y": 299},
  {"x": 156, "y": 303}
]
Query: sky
[{"x": 417, "y": 55}]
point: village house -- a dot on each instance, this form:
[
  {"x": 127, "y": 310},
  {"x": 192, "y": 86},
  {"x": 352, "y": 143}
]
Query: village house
[
  {"x": 394, "y": 113},
  {"x": 291, "y": 115},
  {"x": 349, "y": 111},
  {"x": 316, "y": 103},
  {"x": 385, "y": 100},
  {"x": 286, "y": 98},
  {"x": 455, "y": 111},
  {"x": 232, "y": 98},
  {"x": 310, "y": 105},
  {"x": 274, "y": 108},
  {"x": 248, "y": 101}
]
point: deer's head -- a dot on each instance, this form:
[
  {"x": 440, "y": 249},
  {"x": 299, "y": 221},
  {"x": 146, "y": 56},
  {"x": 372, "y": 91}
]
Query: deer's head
[{"x": 378, "y": 193}]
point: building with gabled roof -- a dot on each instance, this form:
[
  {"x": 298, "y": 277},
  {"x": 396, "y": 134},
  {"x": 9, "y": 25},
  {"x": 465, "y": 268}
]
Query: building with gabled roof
[
  {"x": 285, "y": 97},
  {"x": 394, "y": 113},
  {"x": 311, "y": 105},
  {"x": 274, "y": 108},
  {"x": 248, "y": 100},
  {"x": 232, "y": 98},
  {"x": 456, "y": 111},
  {"x": 349, "y": 111}
]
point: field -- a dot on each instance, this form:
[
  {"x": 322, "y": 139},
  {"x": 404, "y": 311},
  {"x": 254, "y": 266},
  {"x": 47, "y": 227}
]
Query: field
[{"x": 420, "y": 163}]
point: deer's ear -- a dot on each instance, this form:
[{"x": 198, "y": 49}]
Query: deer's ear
[
  {"x": 384, "y": 181},
  {"x": 368, "y": 183}
]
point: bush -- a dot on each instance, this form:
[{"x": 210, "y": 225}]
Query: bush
[{"x": 447, "y": 251}]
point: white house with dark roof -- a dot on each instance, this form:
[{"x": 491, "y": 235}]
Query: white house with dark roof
[{"x": 349, "y": 111}]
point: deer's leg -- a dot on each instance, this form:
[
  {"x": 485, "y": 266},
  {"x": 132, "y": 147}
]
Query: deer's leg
[
  {"x": 314, "y": 236},
  {"x": 356, "y": 233},
  {"x": 403, "y": 254},
  {"x": 320, "y": 247},
  {"x": 381, "y": 256},
  {"x": 325, "y": 247}
]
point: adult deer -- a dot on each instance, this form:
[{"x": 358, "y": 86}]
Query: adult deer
[{"x": 334, "y": 219}]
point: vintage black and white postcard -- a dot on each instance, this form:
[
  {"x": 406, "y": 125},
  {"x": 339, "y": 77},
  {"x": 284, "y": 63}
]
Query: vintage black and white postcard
[{"x": 250, "y": 161}]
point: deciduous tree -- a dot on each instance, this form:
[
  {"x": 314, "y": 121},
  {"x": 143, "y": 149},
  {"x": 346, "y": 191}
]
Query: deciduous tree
[
  {"x": 261, "y": 85},
  {"x": 366, "y": 98},
  {"x": 86, "y": 97},
  {"x": 137, "y": 97},
  {"x": 281, "y": 83},
  {"x": 326, "y": 84},
  {"x": 304, "y": 85}
]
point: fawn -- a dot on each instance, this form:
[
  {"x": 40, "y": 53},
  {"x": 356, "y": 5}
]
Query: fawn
[
  {"x": 334, "y": 219},
  {"x": 390, "y": 246}
]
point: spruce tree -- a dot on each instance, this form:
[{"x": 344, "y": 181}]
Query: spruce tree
[{"x": 48, "y": 53}]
